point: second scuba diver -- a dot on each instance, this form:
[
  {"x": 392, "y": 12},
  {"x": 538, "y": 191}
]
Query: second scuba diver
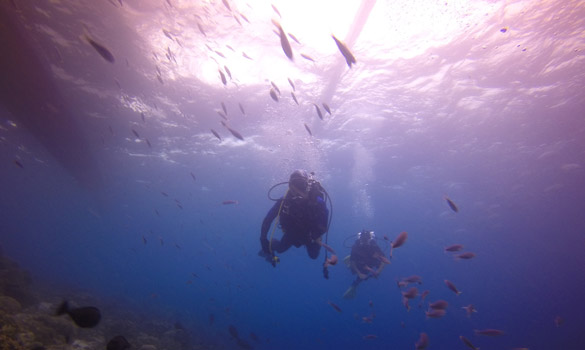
[
  {"x": 366, "y": 260},
  {"x": 302, "y": 215}
]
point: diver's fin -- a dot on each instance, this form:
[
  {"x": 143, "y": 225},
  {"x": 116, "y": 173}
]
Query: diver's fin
[
  {"x": 346, "y": 260},
  {"x": 350, "y": 292}
]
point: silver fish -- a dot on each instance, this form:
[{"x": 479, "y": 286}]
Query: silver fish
[{"x": 345, "y": 52}]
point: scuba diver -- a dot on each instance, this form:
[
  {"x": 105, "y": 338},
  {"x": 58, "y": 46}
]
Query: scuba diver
[
  {"x": 366, "y": 260},
  {"x": 302, "y": 215}
]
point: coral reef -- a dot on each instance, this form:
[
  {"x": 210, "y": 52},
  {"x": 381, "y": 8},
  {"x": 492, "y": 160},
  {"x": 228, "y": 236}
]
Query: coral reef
[{"x": 28, "y": 321}]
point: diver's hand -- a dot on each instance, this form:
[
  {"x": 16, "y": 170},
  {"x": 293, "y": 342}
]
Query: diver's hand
[{"x": 265, "y": 245}]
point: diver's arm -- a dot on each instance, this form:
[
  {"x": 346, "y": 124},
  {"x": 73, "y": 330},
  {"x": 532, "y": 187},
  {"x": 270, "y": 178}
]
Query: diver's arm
[{"x": 267, "y": 222}]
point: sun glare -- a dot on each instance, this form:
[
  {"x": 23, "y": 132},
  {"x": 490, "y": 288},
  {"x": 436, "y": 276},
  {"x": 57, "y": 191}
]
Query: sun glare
[{"x": 252, "y": 54}]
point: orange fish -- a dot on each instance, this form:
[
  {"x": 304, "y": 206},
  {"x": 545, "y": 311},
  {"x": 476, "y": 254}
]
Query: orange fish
[{"x": 334, "y": 306}]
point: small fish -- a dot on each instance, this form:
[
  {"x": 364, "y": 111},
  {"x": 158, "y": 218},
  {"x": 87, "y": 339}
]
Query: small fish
[
  {"x": 294, "y": 38},
  {"x": 236, "y": 134},
  {"x": 410, "y": 293},
  {"x": 454, "y": 248},
  {"x": 201, "y": 29},
  {"x": 144, "y": 240},
  {"x": 222, "y": 76},
  {"x": 215, "y": 134},
  {"x": 211, "y": 319},
  {"x": 254, "y": 337},
  {"x": 177, "y": 246},
  {"x": 160, "y": 79},
  {"x": 334, "y": 306},
  {"x": 467, "y": 343},
  {"x": 489, "y": 332},
  {"x": 469, "y": 309},
  {"x": 558, "y": 321},
  {"x": 233, "y": 331},
  {"x": 326, "y": 107},
  {"x": 242, "y": 343},
  {"x": 439, "y": 305},
  {"x": 451, "y": 286},
  {"x": 148, "y": 143},
  {"x": 273, "y": 95},
  {"x": 505, "y": 29},
  {"x": 398, "y": 242},
  {"x": 370, "y": 336},
  {"x": 84, "y": 317},
  {"x": 224, "y": 109},
  {"x": 230, "y": 201},
  {"x": 244, "y": 18},
  {"x": 284, "y": 41},
  {"x": 435, "y": 313},
  {"x": 143, "y": 117},
  {"x": 307, "y": 57},
  {"x": 275, "y": 87},
  {"x": 157, "y": 213},
  {"x": 423, "y": 342},
  {"x": 222, "y": 115},
  {"x": 102, "y": 50},
  {"x": 164, "y": 194},
  {"x": 161, "y": 241},
  {"x": 241, "y": 108},
  {"x": 308, "y": 130},
  {"x": 349, "y": 59},
  {"x": 246, "y": 56},
  {"x": 465, "y": 256},
  {"x": 135, "y": 133},
  {"x": 226, "y": 4},
  {"x": 18, "y": 164},
  {"x": 219, "y": 53},
  {"x": 405, "y": 303},
  {"x": 291, "y": 84},
  {"x": 167, "y": 34},
  {"x": 294, "y": 98},
  {"x": 452, "y": 205},
  {"x": 118, "y": 343},
  {"x": 227, "y": 70},
  {"x": 318, "y": 111},
  {"x": 423, "y": 295},
  {"x": 413, "y": 279},
  {"x": 276, "y": 10}
]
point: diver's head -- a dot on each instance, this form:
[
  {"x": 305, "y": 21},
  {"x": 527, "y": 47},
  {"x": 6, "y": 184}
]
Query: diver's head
[
  {"x": 365, "y": 236},
  {"x": 298, "y": 183}
]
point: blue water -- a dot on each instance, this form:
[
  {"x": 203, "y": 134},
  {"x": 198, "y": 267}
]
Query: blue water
[{"x": 495, "y": 120}]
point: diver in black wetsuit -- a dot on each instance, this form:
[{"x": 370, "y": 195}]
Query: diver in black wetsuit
[
  {"x": 366, "y": 260},
  {"x": 302, "y": 215}
]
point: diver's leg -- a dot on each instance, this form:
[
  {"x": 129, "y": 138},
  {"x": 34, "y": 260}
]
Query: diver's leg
[
  {"x": 313, "y": 249},
  {"x": 281, "y": 246}
]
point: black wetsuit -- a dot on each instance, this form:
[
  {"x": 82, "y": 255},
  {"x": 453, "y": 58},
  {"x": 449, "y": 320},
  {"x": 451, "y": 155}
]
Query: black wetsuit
[
  {"x": 302, "y": 221},
  {"x": 363, "y": 255}
]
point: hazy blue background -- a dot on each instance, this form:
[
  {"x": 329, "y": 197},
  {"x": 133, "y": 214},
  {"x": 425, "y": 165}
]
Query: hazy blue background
[{"x": 442, "y": 101}]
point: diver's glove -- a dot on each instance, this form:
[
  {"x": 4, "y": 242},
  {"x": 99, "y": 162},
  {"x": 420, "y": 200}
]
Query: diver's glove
[{"x": 270, "y": 257}]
